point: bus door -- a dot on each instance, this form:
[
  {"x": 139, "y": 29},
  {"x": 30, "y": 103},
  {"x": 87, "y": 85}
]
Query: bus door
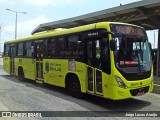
[
  {"x": 12, "y": 56},
  {"x": 39, "y": 52},
  {"x": 94, "y": 66}
]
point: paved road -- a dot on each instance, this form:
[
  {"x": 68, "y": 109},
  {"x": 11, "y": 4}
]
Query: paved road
[{"x": 28, "y": 96}]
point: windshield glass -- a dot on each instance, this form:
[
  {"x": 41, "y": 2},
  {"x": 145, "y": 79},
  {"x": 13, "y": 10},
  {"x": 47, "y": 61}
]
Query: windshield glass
[{"x": 132, "y": 54}]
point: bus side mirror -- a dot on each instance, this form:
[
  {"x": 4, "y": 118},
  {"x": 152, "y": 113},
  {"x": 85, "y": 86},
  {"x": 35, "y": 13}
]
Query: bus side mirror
[
  {"x": 113, "y": 41},
  {"x": 113, "y": 45}
]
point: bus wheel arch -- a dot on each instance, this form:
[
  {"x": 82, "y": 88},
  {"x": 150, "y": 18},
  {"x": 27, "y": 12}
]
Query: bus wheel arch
[
  {"x": 21, "y": 74},
  {"x": 72, "y": 85}
]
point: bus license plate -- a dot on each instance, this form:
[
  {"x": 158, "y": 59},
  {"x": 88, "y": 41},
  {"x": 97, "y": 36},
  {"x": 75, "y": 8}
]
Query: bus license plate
[{"x": 140, "y": 93}]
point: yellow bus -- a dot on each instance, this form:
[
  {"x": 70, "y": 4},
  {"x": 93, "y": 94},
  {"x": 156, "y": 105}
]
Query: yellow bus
[{"x": 107, "y": 59}]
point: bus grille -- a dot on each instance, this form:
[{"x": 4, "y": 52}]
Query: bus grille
[{"x": 136, "y": 91}]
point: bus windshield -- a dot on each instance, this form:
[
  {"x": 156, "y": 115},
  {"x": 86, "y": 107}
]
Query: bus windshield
[{"x": 132, "y": 54}]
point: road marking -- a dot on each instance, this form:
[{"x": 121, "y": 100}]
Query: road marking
[{"x": 4, "y": 108}]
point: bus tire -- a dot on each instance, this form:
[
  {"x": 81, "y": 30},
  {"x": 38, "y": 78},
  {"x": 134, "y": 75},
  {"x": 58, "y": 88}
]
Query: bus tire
[
  {"x": 74, "y": 87},
  {"x": 21, "y": 75}
]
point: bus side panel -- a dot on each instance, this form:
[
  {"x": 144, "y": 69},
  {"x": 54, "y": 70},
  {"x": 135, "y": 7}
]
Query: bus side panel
[
  {"x": 81, "y": 71},
  {"x": 55, "y": 71},
  {"x": 6, "y": 64},
  {"x": 105, "y": 85},
  {"x": 29, "y": 70},
  {"x": 16, "y": 64},
  {"x": 28, "y": 67}
]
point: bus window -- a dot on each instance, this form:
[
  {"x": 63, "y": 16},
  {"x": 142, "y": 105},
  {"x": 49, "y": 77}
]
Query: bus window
[
  {"x": 133, "y": 52},
  {"x": 72, "y": 42},
  {"x": 98, "y": 53},
  {"x": 105, "y": 56},
  {"x": 28, "y": 51},
  {"x": 20, "y": 49},
  {"x": 60, "y": 47},
  {"x": 13, "y": 50},
  {"x": 74, "y": 46},
  {"x": 6, "y": 50},
  {"x": 52, "y": 48}
]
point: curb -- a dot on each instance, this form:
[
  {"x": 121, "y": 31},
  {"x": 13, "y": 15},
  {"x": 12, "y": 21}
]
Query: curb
[{"x": 156, "y": 89}]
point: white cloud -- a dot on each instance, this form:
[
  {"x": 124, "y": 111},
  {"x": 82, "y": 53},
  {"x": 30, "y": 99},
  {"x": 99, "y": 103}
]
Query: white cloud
[
  {"x": 26, "y": 27},
  {"x": 3, "y": 1},
  {"x": 41, "y": 2},
  {"x": 47, "y": 2},
  {"x": 38, "y": 2},
  {"x": 7, "y": 1}
]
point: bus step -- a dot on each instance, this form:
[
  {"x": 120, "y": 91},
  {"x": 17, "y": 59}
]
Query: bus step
[{"x": 39, "y": 81}]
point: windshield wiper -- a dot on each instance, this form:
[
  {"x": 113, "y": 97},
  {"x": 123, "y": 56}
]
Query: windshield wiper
[{"x": 140, "y": 58}]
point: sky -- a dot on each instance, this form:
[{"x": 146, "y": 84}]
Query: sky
[{"x": 43, "y": 11}]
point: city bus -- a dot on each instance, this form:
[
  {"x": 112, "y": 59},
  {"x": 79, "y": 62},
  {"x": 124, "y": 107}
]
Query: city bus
[{"x": 85, "y": 59}]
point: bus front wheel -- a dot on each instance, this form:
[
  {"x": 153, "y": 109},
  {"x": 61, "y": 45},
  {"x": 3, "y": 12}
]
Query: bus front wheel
[{"x": 74, "y": 87}]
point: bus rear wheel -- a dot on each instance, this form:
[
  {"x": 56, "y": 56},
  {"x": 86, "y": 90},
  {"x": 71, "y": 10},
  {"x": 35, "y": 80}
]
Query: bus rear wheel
[
  {"x": 21, "y": 75},
  {"x": 74, "y": 87}
]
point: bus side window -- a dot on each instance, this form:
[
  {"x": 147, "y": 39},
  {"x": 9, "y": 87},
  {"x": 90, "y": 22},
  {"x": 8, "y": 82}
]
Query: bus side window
[
  {"x": 60, "y": 47},
  {"x": 106, "y": 56},
  {"x": 20, "y": 49},
  {"x": 14, "y": 50},
  {"x": 52, "y": 47},
  {"x": 72, "y": 42},
  {"x": 6, "y": 50},
  {"x": 28, "y": 51},
  {"x": 75, "y": 46},
  {"x": 32, "y": 49}
]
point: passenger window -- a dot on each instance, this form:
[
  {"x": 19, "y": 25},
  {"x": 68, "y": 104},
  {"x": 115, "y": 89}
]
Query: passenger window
[
  {"x": 20, "y": 49},
  {"x": 60, "y": 47},
  {"x": 73, "y": 42},
  {"x": 6, "y": 50},
  {"x": 28, "y": 51},
  {"x": 52, "y": 48},
  {"x": 75, "y": 46}
]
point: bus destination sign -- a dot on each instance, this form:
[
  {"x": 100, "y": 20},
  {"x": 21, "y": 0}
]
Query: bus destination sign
[{"x": 130, "y": 30}]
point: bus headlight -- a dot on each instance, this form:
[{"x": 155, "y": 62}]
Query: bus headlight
[{"x": 120, "y": 82}]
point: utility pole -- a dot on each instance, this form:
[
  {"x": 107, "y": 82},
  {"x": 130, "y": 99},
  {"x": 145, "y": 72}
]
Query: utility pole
[{"x": 16, "y": 20}]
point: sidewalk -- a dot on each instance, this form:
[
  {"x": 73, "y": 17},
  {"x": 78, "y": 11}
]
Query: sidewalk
[
  {"x": 156, "y": 88},
  {"x": 156, "y": 80}
]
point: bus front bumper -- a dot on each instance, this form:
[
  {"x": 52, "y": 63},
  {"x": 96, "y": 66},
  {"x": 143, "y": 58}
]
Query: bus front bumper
[{"x": 125, "y": 93}]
